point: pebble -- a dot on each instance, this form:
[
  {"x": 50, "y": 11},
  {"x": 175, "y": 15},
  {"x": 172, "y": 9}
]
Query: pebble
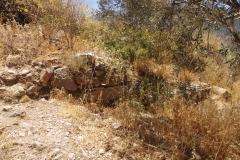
[
  {"x": 80, "y": 138},
  {"x": 7, "y": 108},
  {"x": 24, "y": 72},
  {"x": 24, "y": 125},
  {"x": 18, "y": 113},
  {"x": 38, "y": 145},
  {"x": 101, "y": 151},
  {"x": 55, "y": 152},
  {"x": 116, "y": 125},
  {"x": 22, "y": 134},
  {"x": 71, "y": 156}
]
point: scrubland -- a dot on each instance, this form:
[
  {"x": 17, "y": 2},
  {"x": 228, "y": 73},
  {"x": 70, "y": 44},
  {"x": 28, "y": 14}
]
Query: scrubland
[{"x": 160, "y": 120}]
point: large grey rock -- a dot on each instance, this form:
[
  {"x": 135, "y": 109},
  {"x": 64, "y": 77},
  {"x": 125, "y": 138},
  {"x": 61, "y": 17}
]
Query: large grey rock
[
  {"x": 18, "y": 113},
  {"x": 63, "y": 78},
  {"x": 195, "y": 91},
  {"x": 85, "y": 58},
  {"x": 9, "y": 76},
  {"x": 15, "y": 91}
]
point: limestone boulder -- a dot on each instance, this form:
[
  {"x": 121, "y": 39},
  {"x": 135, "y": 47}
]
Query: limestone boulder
[
  {"x": 220, "y": 93},
  {"x": 8, "y": 76},
  {"x": 195, "y": 91},
  {"x": 63, "y": 78},
  {"x": 221, "y": 97},
  {"x": 85, "y": 58},
  {"x": 15, "y": 91}
]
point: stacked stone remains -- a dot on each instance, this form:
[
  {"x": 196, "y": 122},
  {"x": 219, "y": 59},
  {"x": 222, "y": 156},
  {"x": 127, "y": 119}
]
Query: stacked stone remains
[{"x": 97, "y": 77}]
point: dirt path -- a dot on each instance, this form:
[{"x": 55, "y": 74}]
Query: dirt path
[{"x": 49, "y": 130}]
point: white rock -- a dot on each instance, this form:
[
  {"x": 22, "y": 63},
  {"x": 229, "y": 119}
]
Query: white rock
[
  {"x": 80, "y": 138},
  {"x": 116, "y": 125},
  {"x": 11, "y": 71},
  {"x": 22, "y": 134},
  {"x": 101, "y": 151},
  {"x": 38, "y": 145},
  {"x": 7, "y": 108},
  {"x": 24, "y": 72},
  {"x": 71, "y": 156},
  {"x": 24, "y": 125},
  {"x": 221, "y": 92},
  {"x": 18, "y": 113},
  {"x": 17, "y": 90},
  {"x": 54, "y": 152}
]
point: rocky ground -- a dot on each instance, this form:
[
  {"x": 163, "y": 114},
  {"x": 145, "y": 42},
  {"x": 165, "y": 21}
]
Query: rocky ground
[{"x": 52, "y": 130}]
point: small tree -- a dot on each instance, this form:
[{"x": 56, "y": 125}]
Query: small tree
[{"x": 66, "y": 16}]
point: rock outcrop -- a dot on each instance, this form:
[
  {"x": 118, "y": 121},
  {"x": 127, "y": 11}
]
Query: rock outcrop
[
  {"x": 63, "y": 78},
  {"x": 97, "y": 77},
  {"x": 221, "y": 97},
  {"x": 195, "y": 91}
]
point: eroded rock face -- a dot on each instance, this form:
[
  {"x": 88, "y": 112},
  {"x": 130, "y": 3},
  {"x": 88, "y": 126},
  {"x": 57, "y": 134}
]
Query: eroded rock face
[
  {"x": 99, "y": 77},
  {"x": 63, "y": 78},
  {"x": 45, "y": 76},
  {"x": 195, "y": 91}
]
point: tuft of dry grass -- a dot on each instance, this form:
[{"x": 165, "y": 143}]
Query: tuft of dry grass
[
  {"x": 150, "y": 68},
  {"x": 216, "y": 73},
  {"x": 187, "y": 76},
  {"x": 235, "y": 91},
  {"x": 73, "y": 111}
]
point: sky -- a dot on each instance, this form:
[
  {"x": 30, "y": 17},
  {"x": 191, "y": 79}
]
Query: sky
[{"x": 93, "y": 3}]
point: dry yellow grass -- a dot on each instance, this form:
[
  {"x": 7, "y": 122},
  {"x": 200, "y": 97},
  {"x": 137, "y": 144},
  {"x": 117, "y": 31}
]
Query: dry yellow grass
[
  {"x": 175, "y": 126},
  {"x": 5, "y": 146},
  {"x": 216, "y": 73},
  {"x": 69, "y": 107},
  {"x": 150, "y": 68},
  {"x": 236, "y": 91},
  {"x": 184, "y": 130},
  {"x": 187, "y": 76}
]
